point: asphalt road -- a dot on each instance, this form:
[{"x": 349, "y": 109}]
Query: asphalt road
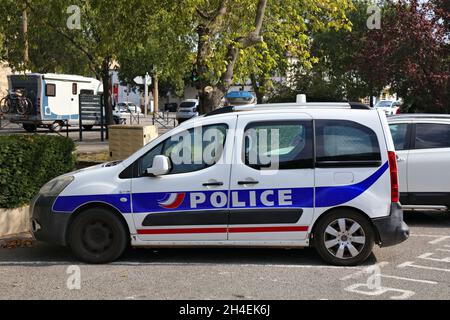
[{"x": 416, "y": 269}]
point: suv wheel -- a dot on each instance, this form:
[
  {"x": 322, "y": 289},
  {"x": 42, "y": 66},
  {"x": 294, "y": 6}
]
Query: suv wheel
[
  {"x": 97, "y": 236},
  {"x": 344, "y": 238}
]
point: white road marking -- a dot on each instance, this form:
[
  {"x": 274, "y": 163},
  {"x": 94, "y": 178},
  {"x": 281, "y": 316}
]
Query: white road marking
[
  {"x": 439, "y": 237},
  {"x": 408, "y": 279},
  {"x": 382, "y": 264},
  {"x": 355, "y": 288},
  {"x": 362, "y": 272},
  {"x": 411, "y": 264},
  {"x": 426, "y": 256}
]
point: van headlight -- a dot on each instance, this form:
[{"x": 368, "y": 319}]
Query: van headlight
[{"x": 55, "y": 186}]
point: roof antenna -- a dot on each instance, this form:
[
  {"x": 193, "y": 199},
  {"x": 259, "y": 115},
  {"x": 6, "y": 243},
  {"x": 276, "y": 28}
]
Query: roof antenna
[{"x": 301, "y": 98}]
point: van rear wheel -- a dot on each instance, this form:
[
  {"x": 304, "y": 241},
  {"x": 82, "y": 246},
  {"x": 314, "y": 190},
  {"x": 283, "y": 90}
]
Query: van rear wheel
[
  {"x": 97, "y": 236},
  {"x": 344, "y": 238},
  {"x": 29, "y": 127}
]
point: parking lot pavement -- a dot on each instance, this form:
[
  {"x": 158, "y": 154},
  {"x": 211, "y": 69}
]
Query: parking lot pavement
[{"x": 416, "y": 269}]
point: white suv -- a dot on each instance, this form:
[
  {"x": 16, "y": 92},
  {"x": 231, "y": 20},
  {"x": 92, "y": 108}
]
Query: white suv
[
  {"x": 289, "y": 175},
  {"x": 422, "y": 142}
]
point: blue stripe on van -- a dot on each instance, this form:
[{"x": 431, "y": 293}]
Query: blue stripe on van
[
  {"x": 334, "y": 196},
  {"x": 150, "y": 202}
]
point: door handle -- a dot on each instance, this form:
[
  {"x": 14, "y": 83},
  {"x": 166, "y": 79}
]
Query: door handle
[
  {"x": 213, "y": 184},
  {"x": 400, "y": 159},
  {"x": 247, "y": 182}
]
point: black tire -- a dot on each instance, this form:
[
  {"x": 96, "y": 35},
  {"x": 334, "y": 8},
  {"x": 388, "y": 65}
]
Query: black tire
[
  {"x": 323, "y": 238},
  {"x": 97, "y": 236},
  {"x": 88, "y": 127},
  {"x": 56, "y": 126},
  {"x": 31, "y": 128}
]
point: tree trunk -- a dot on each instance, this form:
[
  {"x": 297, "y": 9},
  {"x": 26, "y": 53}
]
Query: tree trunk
[
  {"x": 155, "y": 94},
  {"x": 106, "y": 92},
  {"x": 258, "y": 89},
  {"x": 26, "y": 58},
  {"x": 210, "y": 99}
]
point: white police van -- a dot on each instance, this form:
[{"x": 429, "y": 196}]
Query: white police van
[{"x": 289, "y": 175}]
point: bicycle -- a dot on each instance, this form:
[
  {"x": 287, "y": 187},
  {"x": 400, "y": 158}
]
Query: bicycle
[{"x": 15, "y": 102}]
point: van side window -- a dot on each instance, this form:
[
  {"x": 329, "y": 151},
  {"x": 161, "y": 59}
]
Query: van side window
[
  {"x": 346, "y": 143},
  {"x": 50, "y": 90},
  {"x": 279, "y": 145},
  {"x": 192, "y": 150},
  {"x": 432, "y": 135}
]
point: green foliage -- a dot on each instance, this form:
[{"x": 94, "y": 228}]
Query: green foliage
[{"x": 27, "y": 162}]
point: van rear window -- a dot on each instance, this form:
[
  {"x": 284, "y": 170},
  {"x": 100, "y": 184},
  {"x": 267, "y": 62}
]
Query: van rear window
[{"x": 341, "y": 142}]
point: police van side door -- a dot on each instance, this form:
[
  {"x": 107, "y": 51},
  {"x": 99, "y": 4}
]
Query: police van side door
[
  {"x": 190, "y": 203},
  {"x": 272, "y": 178}
]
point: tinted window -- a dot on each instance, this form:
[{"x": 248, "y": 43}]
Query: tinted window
[
  {"x": 279, "y": 145},
  {"x": 345, "y": 141},
  {"x": 187, "y": 105},
  {"x": 430, "y": 135},
  {"x": 50, "y": 90},
  {"x": 399, "y": 135},
  {"x": 191, "y": 150}
]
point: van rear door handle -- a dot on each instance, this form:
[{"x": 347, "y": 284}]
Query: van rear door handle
[{"x": 247, "y": 182}]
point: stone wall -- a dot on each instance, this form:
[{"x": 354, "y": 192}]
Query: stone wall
[{"x": 4, "y": 71}]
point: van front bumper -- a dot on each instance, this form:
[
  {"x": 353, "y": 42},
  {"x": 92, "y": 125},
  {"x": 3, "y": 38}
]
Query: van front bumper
[
  {"x": 46, "y": 225},
  {"x": 392, "y": 229}
]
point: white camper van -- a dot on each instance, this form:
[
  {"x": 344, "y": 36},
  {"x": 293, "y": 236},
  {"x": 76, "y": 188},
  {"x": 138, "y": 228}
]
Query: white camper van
[{"x": 54, "y": 98}]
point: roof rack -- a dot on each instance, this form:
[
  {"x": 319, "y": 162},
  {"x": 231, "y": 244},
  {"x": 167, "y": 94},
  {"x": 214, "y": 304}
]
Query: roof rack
[{"x": 318, "y": 105}]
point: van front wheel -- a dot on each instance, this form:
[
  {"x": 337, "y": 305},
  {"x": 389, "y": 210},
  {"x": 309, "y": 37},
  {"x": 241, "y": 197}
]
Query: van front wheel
[
  {"x": 344, "y": 238},
  {"x": 97, "y": 236}
]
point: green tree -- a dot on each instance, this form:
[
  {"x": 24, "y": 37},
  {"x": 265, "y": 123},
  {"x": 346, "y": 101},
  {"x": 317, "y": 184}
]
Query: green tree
[
  {"x": 238, "y": 39},
  {"x": 106, "y": 26}
]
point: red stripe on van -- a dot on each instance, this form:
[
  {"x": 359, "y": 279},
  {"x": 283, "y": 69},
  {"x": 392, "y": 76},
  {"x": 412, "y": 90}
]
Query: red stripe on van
[
  {"x": 223, "y": 230},
  {"x": 180, "y": 231},
  {"x": 268, "y": 229}
]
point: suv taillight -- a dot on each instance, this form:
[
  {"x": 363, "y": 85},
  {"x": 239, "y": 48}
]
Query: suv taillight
[
  {"x": 394, "y": 176},
  {"x": 398, "y": 111}
]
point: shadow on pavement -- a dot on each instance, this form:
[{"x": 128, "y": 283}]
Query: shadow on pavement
[
  {"x": 46, "y": 255},
  {"x": 427, "y": 219}
]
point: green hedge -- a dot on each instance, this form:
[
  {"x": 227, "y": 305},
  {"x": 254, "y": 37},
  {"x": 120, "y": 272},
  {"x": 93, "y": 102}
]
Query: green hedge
[{"x": 27, "y": 162}]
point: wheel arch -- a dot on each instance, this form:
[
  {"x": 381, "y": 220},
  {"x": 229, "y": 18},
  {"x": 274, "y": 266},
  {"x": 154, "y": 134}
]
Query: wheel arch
[
  {"x": 331, "y": 210},
  {"x": 92, "y": 205}
]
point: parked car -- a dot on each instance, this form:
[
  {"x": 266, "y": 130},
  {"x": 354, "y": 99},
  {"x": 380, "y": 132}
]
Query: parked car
[
  {"x": 239, "y": 98},
  {"x": 187, "y": 110},
  {"x": 389, "y": 107},
  {"x": 330, "y": 182},
  {"x": 171, "y": 107},
  {"x": 422, "y": 142}
]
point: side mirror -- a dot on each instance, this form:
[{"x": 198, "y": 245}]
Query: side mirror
[{"x": 161, "y": 166}]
